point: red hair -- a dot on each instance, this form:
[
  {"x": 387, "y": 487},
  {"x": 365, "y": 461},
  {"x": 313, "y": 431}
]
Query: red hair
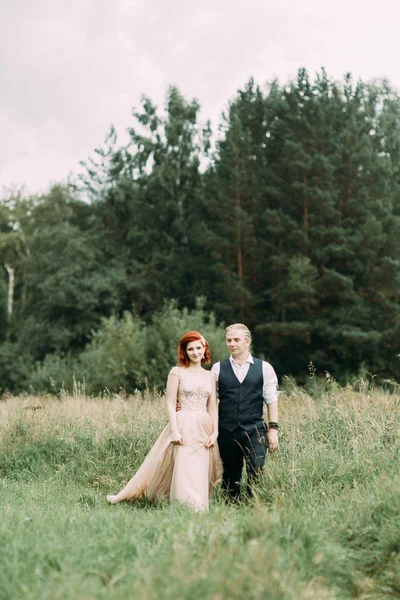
[{"x": 192, "y": 336}]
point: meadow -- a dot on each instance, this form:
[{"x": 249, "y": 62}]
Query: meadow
[{"x": 324, "y": 523}]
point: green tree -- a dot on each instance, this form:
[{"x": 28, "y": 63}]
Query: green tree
[
  {"x": 237, "y": 190},
  {"x": 68, "y": 285},
  {"x": 166, "y": 237}
]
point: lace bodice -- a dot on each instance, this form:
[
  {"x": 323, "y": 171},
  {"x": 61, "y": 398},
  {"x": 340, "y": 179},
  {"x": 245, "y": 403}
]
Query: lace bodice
[{"x": 192, "y": 394}]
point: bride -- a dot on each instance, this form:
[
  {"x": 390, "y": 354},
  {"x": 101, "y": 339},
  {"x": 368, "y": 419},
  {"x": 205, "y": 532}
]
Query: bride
[{"x": 184, "y": 463}]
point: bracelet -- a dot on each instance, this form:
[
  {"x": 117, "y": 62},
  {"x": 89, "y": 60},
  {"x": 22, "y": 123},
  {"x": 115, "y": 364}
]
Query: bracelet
[{"x": 273, "y": 425}]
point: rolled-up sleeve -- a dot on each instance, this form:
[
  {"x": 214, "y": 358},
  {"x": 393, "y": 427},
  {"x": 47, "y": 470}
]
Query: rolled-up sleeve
[{"x": 270, "y": 386}]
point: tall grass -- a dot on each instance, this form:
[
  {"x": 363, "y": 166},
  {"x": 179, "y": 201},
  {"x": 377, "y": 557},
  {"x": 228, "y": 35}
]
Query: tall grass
[{"x": 324, "y": 523}]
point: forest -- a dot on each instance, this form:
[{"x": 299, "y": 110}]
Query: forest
[{"x": 286, "y": 218}]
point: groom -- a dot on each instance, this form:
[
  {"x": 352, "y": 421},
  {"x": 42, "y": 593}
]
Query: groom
[{"x": 244, "y": 384}]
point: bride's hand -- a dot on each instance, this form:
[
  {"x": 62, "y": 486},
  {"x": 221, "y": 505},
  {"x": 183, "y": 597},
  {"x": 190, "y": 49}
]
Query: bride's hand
[
  {"x": 211, "y": 441},
  {"x": 176, "y": 438}
]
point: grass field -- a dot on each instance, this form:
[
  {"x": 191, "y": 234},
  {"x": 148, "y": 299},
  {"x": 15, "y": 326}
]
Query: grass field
[{"x": 325, "y": 522}]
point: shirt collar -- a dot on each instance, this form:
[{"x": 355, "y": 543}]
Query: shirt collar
[{"x": 249, "y": 360}]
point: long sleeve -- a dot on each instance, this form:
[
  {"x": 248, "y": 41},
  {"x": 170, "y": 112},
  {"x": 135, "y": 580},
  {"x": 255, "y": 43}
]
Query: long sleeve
[{"x": 270, "y": 386}]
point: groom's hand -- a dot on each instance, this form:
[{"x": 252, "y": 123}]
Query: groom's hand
[{"x": 273, "y": 443}]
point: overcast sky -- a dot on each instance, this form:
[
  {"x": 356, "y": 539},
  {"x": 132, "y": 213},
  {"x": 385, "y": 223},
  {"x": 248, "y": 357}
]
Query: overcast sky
[{"x": 71, "y": 68}]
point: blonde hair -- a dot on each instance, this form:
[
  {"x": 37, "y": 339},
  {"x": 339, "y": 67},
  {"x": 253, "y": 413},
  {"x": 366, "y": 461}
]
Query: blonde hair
[{"x": 241, "y": 327}]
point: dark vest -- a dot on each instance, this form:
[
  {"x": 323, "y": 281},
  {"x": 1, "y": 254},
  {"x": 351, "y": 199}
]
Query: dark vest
[{"x": 240, "y": 404}]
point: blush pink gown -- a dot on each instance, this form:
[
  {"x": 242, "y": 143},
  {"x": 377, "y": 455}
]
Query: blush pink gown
[{"x": 187, "y": 473}]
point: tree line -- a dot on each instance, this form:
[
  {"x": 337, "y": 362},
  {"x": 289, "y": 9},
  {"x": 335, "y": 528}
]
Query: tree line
[{"x": 287, "y": 218}]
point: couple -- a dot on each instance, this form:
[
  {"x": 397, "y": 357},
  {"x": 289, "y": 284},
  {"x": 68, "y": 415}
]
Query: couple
[{"x": 184, "y": 464}]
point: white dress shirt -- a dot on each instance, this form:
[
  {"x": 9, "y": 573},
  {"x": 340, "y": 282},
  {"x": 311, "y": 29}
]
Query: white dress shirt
[{"x": 270, "y": 386}]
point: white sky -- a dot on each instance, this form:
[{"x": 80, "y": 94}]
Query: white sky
[{"x": 71, "y": 68}]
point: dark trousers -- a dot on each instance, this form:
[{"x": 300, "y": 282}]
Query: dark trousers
[{"x": 237, "y": 447}]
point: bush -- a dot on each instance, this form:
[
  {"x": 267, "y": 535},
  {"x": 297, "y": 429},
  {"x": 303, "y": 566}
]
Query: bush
[
  {"x": 115, "y": 357},
  {"x": 15, "y": 368},
  {"x": 129, "y": 354},
  {"x": 57, "y": 373}
]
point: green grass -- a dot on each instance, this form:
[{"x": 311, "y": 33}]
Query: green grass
[{"x": 324, "y": 524}]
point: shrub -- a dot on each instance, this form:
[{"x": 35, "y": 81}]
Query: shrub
[{"x": 128, "y": 354}]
